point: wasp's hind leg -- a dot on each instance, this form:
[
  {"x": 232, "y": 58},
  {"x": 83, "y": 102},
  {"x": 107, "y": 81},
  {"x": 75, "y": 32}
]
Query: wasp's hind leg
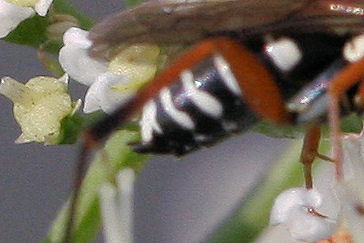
[
  {"x": 352, "y": 74},
  {"x": 310, "y": 152}
]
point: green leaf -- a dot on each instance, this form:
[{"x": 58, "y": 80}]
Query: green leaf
[
  {"x": 102, "y": 169},
  {"x": 253, "y": 215},
  {"x": 71, "y": 127},
  {"x": 30, "y": 32}
]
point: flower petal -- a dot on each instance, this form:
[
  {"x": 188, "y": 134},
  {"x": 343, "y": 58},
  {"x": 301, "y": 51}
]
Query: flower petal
[
  {"x": 353, "y": 162},
  {"x": 125, "y": 183},
  {"x": 11, "y": 15},
  {"x": 92, "y": 100},
  {"x": 291, "y": 208},
  {"x": 42, "y": 6},
  {"x": 353, "y": 219},
  {"x": 308, "y": 227},
  {"x": 350, "y": 191},
  {"x": 293, "y": 198},
  {"x": 22, "y": 139},
  {"x": 75, "y": 60},
  {"x": 117, "y": 208},
  {"x": 110, "y": 213},
  {"x": 102, "y": 94},
  {"x": 77, "y": 37},
  {"x": 64, "y": 79},
  {"x": 110, "y": 97}
]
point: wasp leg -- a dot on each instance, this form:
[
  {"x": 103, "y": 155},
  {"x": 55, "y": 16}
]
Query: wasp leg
[
  {"x": 310, "y": 152},
  {"x": 349, "y": 76},
  {"x": 324, "y": 157}
]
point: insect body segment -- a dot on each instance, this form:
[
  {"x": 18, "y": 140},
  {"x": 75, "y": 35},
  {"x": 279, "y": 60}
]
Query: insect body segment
[
  {"x": 221, "y": 87},
  {"x": 203, "y": 105},
  {"x": 210, "y": 100}
]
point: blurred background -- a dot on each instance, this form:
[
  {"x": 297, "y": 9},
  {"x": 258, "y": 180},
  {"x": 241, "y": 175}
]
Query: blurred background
[{"x": 177, "y": 200}]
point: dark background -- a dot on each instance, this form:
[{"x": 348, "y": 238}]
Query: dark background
[{"x": 177, "y": 200}]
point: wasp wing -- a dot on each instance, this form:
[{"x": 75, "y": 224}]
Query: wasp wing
[{"x": 187, "y": 21}]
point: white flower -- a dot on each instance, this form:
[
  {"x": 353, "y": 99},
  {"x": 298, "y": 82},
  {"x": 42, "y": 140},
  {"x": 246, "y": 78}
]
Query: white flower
[
  {"x": 102, "y": 95},
  {"x": 80, "y": 66},
  {"x": 343, "y": 199},
  {"x": 75, "y": 60},
  {"x": 297, "y": 209},
  {"x": 117, "y": 208},
  {"x": 111, "y": 82},
  {"x": 351, "y": 191},
  {"x": 12, "y": 13},
  {"x": 39, "y": 106}
]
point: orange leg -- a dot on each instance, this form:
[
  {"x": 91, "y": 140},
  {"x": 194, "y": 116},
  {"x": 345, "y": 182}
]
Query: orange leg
[
  {"x": 310, "y": 152},
  {"x": 343, "y": 81}
]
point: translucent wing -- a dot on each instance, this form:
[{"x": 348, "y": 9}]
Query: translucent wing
[{"x": 187, "y": 21}]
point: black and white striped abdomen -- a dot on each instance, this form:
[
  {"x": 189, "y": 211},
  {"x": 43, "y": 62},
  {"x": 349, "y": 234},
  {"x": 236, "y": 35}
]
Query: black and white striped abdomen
[{"x": 202, "y": 106}]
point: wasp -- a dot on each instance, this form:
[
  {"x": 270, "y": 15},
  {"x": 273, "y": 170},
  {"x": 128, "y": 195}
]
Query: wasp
[{"x": 284, "y": 61}]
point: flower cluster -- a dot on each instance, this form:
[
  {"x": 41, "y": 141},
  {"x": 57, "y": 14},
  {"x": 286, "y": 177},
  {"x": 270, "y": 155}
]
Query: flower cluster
[{"x": 111, "y": 82}]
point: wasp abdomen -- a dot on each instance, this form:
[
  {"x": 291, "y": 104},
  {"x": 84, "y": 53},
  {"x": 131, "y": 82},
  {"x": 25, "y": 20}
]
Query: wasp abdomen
[{"x": 203, "y": 106}]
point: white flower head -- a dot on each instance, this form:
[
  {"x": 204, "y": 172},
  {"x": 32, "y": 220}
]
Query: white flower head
[
  {"x": 112, "y": 82},
  {"x": 12, "y": 13},
  {"x": 351, "y": 191},
  {"x": 344, "y": 200},
  {"x": 39, "y": 106},
  {"x": 117, "y": 208},
  {"x": 296, "y": 208}
]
